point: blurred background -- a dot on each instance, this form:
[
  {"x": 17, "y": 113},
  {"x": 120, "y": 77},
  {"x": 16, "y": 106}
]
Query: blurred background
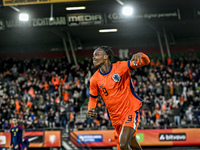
[{"x": 46, "y": 49}]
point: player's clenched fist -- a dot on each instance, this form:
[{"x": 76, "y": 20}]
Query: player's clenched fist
[{"x": 91, "y": 113}]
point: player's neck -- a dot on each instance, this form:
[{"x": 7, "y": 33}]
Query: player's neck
[
  {"x": 105, "y": 67},
  {"x": 15, "y": 125}
]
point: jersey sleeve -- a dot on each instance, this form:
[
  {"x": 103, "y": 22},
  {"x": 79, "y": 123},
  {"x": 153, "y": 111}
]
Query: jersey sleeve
[
  {"x": 123, "y": 65},
  {"x": 144, "y": 61},
  {"x": 93, "y": 88}
]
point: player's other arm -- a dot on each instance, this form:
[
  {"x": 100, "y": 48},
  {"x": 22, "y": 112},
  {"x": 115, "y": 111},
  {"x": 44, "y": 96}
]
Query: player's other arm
[
  {"x": 93, "y": 98},
  {"x": 139, "y": 60},
  {"x": 91, "y": 106},
  {"x": 26, "y": 143},
  {"x": 19, "y": 140}
]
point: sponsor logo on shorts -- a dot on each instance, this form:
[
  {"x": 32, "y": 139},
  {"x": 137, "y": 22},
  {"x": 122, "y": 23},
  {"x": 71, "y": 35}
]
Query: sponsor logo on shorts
[{"x": 172, "y": 137}]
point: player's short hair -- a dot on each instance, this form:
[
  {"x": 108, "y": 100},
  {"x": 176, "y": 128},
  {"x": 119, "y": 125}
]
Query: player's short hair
[{"x": 108, "y": 51}]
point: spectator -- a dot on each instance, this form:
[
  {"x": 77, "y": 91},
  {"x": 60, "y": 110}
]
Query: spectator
[
  {"x": 197, "y": 115},
  {"x": 159, "y": 89},
  {"x": 42, "y": 121},
  {"x": 176, "y": 113},
  {"x": 63, "y": 119},
  {"x": 188, "y": 114},
  {"x": 166, "y": 121},
  {"x": 51, "y": 119},
  {"x": 57, "y": 119},
  {"x": 167, "y": 90},
  {"x": 6, "y": 125}
]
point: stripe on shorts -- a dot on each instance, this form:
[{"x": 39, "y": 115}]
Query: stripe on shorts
[{"x": 135, "y": 120}]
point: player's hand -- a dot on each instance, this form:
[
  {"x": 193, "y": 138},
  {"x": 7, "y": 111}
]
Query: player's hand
[
  {"x": 10, "y": 148},
  {"x": 91, "y": 113},
  {"x": 136, "y": 58},
  {"x": 25, "y": 148},
  {"x": 16, "y": 147}
]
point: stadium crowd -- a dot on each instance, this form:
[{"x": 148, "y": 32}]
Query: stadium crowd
[{"x": 49, "y": 93}]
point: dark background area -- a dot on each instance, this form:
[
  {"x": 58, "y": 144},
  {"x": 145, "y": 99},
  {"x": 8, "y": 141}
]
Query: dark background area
[{"x": 182, "y": 29}]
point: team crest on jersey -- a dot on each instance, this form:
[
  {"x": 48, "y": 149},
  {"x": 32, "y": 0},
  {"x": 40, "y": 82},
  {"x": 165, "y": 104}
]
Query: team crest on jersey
[
  {"x": 12, "y": 130},
  {"x": 116, "y": 77},
  {"x": 16, "y": 129}
]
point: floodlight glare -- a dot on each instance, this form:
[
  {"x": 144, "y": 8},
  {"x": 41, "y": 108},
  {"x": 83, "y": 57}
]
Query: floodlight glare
[
  {"x": 51, "y": 18},
  {"x": 23, "y": 17},
  {"x": 76, "y": 8},
  {"x": 127, "y": 10},
  {"x": 107, "y": 30}
]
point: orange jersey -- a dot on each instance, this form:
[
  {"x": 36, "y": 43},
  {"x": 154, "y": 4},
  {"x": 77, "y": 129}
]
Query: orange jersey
[{"x": 116, "y": 89}]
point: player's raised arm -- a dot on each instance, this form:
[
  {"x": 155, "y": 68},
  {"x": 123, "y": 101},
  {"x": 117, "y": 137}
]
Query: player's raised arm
[{"x": 139, "y": 60}]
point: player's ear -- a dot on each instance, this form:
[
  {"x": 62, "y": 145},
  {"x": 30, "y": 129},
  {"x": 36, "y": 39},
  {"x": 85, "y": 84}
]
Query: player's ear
[{"x": 105, "y": 56}]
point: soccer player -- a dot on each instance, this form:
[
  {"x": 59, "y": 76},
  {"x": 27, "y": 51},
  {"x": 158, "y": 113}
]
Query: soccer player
[
  {"x": 25, "y": 142},
  {"x": 112, "y": 81},
  {"x": 16, "y": 135}
]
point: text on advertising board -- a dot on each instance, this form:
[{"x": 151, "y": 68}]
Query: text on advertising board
[
  {"x": 172, "y": 137},
  {"x": 36, "y": 22},
  {"x": 90, "y": 138},
  {"x": 84, "y": 19}
]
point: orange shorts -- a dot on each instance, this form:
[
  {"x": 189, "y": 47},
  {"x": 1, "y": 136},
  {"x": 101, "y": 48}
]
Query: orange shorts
[{"x": 131, "y": 120}]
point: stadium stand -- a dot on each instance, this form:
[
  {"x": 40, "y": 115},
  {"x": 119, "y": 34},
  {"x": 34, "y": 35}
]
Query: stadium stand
[{"x": 50, "y": 93}]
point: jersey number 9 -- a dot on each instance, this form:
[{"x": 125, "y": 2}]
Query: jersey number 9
[
  {"x": 130, "y": 118},
  {"x": 105, "y": 91}
]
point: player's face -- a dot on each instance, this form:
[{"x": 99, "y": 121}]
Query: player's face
[
  {"x": 14, "y": 121},
  {"x": 99, "y": 57}
]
